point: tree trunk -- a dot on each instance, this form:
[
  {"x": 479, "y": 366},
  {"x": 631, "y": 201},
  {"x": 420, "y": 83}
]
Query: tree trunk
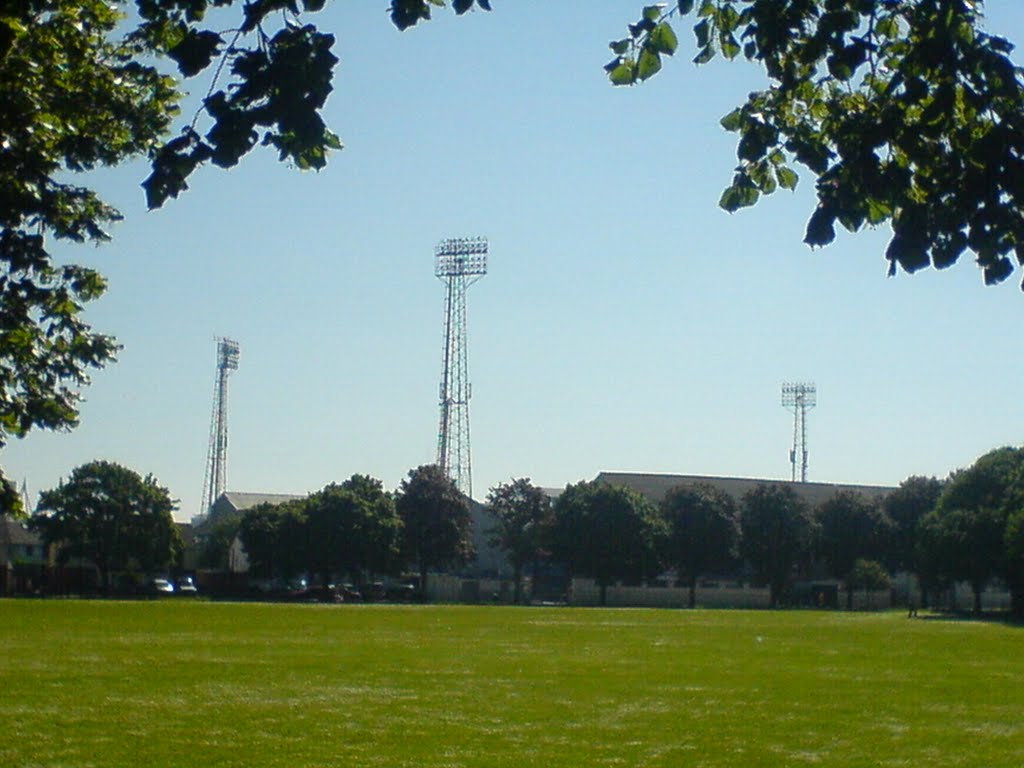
[
  {"x": 104, "y": 577},
  {"x": 849, "y": 597},
  {"x": 517, "y": 596},
  {"x": 693, "y": 592},
  {"x": 423, "y": 583},
  {"x": 977, "y": 599},
  {"x": 604, "y": 594},
  {"x": 1017, "y": 601}
]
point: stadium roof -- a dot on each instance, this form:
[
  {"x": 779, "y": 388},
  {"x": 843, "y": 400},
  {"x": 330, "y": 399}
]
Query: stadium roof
[{"x": 655, "y": 486}]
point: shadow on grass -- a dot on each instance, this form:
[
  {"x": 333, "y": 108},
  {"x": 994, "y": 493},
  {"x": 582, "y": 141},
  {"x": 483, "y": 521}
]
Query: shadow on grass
[{"x": 987, "y": 617}]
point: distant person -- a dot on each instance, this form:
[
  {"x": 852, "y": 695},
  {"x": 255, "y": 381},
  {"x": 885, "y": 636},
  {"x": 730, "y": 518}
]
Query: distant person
[{"x": 911, "y": 608}]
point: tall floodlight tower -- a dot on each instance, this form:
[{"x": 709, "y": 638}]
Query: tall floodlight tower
[
  {"x": 799, "y": 397},
  {"x": 458, "y": 263},
  {"x": 217, "y": 457}
]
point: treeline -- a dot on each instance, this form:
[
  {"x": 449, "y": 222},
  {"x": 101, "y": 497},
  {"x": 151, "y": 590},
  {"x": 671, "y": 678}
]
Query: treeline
[
  {"x": 968, "y": 528},
  {"x": 355, "y": 530}
]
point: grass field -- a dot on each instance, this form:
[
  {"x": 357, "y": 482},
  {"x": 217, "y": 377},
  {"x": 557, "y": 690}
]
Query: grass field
[{"x": 150, "y": 684}]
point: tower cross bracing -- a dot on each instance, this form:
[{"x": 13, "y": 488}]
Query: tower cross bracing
[
  {"x": 458, "y": 263},
  {"x": 799, "y": 397},
  {"x": 215, "y": 480}
]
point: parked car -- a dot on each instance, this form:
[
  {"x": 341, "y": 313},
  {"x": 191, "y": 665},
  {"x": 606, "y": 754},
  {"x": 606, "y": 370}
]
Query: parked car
[
  {"x": 186, "y": 586},
  {"x": 350, "y": 594},
  {"x": 402, "y": 593},
  {"x": 160, "y": 587}
]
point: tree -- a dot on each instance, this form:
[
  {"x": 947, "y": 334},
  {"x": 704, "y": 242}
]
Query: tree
[
  {"x": 111, "y": 516},
  {"x": 605, "y": 532},
  {"x": 702, "y": 532},
  {"x": 868, "y": 575},
  {"x": 967, "y": 531},
  {"x": 904, "y": 111},
  {"x": 353, "y": 528},
  {"x": 850, "y": 528},
  {"x": 217, "y": 538},
  {"x": 776, "y": 530},
  {"x": 522, "y": 514},
  {"x": 276, "y": 539},
  {"x": 435, "y": 521},
  {"x": 1014, "y": 543},
  {"x": 905, "y": 507}
]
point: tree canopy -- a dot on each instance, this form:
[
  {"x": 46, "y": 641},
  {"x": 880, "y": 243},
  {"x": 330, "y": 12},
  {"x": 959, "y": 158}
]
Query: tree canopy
[
  {"x": 702, "y": 533},
  {"x": 851, "y": 528},
  {"x": 967, "y": 533},
  {"x": 523, "y": 517},
  {"x": 777, "y": 529},
  {"x": 905, "y": 112},
  {"x": 605, "y": 532},
  {"x": 436, "y": 521},
  {"x": 111, "y": 516},
  {"x": 353, "y": 529}
]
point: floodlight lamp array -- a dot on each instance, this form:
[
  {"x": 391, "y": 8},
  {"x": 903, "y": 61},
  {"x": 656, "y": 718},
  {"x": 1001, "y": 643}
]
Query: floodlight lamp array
[
  {"x": 799, "y": 393},
  {"x": 461, "y": 256},
  {"x": 229, "y": 353}
]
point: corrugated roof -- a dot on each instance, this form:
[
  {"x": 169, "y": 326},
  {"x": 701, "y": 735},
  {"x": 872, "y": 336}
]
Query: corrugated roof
[{"x": 655, "y": 486}]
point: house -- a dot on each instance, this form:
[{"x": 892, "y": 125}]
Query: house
[{"x": 23, "y": 557}]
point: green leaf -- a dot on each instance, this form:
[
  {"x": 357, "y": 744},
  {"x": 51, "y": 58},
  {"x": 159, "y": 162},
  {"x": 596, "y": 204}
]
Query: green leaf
[
  {"x": 787, "y": 177},
  {"x": 664, "y": 39},
  {"x": 685, "y": 6},
  {"x": 195, "y": 52},
  {"x": 909, "y": 253},
  {"x": 738, "y": 196},
  {"x": 653, "y": 12},
  {"x": 878, "y": 211},
  {"x": 702, "y": 30},
  {"x": 730, "y": 48},
  {"x": 733, "y": 121},
  {"x": 649, "y": 64},
  {"x": 707, "y": 54},
  {"x": 619, "y": 47},
  {"x": 821, "y": 229},
  {"x": 624, "y": 74}
]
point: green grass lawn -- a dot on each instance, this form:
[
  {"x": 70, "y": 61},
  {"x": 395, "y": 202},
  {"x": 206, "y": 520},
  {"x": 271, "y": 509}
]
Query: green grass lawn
[{"x": 149, "y": 684}]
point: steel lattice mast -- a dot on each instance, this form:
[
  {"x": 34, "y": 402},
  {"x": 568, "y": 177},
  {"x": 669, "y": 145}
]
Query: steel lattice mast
[
  {"x": 799, "y": 397},
  {"x": 215, "y": 482},
  {"x": 459, "y": 263}
]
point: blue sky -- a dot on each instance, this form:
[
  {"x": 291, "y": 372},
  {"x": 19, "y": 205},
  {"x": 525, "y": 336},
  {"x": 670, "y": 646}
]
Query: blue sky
[{"x": 626, "y": 323}]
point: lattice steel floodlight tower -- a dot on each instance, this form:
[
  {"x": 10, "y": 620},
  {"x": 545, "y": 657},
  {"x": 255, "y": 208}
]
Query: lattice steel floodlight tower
[
  {"x": 799, "y": 397},
  {"x": 459, "y": 263},
  {"x": 215, "y": 481}
]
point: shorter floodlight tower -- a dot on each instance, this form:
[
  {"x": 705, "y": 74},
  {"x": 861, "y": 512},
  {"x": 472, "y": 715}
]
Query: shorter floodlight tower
[
  {"x": 799, "y": 397},
  {"x": 215, "y": 481},
  {"x": 459, "y": 263}
]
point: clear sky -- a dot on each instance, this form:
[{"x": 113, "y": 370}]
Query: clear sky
[{"x": 626, "y": 323}]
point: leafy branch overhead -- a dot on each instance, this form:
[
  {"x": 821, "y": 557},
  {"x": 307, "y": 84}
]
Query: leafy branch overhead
[{"x": 905, "y": 111}]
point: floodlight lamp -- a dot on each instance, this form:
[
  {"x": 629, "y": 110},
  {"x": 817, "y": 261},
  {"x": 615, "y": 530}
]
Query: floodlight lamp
[
  {"x": 229, "y": 354},
  {"x": 798, "y": 393},
  {"x": 461, "y": 256}
]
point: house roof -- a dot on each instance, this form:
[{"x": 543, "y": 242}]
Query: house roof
[
  {"x": 655, "y": 486},
  {"x": 241, "y": 500},
  {"x": 14, "y": 533}
]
